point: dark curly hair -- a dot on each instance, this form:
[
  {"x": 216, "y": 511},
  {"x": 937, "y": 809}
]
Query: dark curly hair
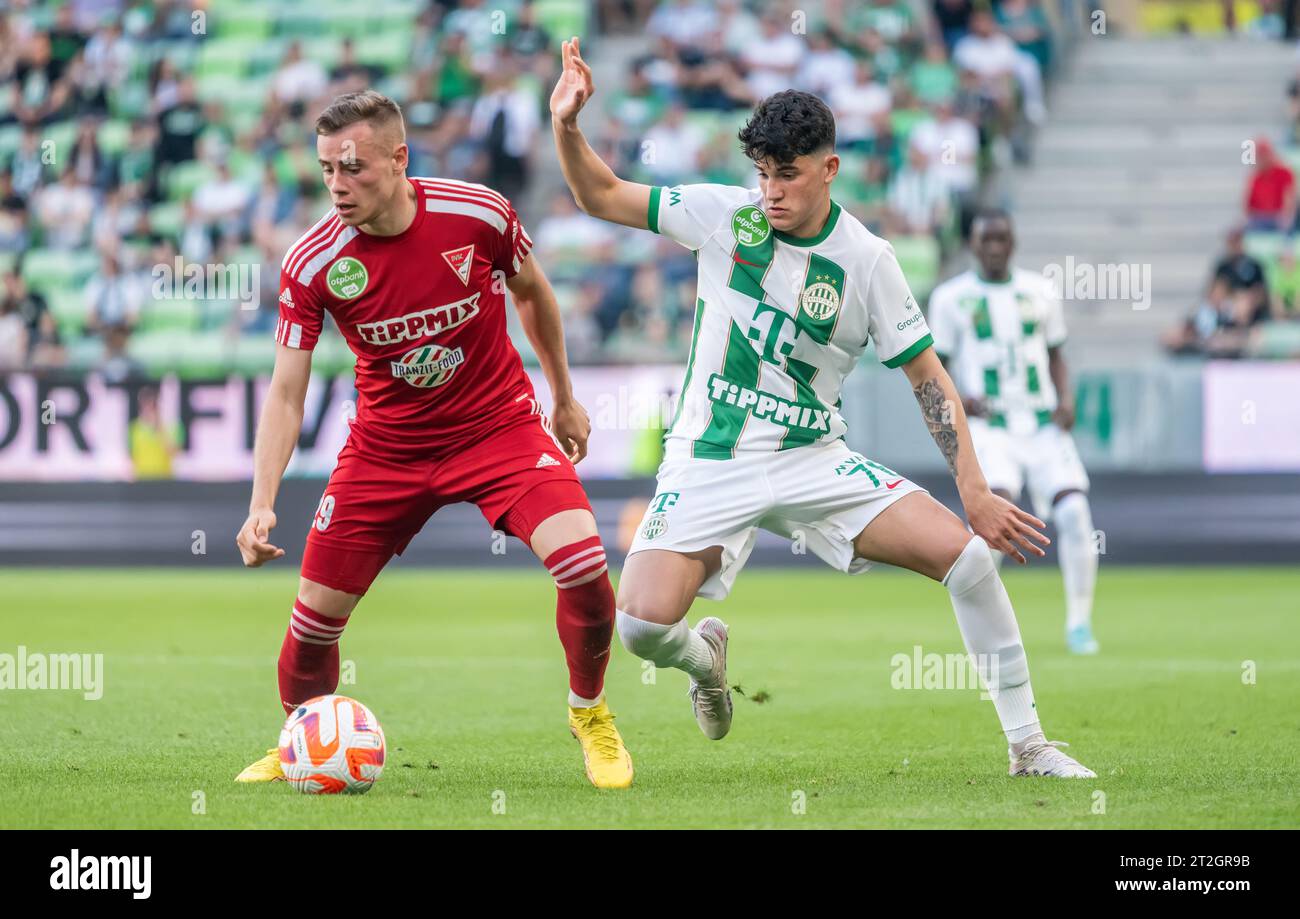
[{"x": 786, "y": 125}]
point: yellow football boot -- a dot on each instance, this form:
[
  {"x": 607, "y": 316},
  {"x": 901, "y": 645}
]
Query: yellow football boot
[
  {"x": 266, "y": 769},
  {"x": 607, "y": 760}
]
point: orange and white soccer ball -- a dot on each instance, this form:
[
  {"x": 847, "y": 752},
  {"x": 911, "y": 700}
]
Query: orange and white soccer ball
[{"x": 332, "y": 744}]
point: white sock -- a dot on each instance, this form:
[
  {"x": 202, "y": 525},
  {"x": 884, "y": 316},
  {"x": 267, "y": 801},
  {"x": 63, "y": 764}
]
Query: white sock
[
  {"x": 992, "y": 637},
  {"x": 1073, "y": 518},
  {"x": 675, "y": 645},
  {"x": 577, "y": 701}
]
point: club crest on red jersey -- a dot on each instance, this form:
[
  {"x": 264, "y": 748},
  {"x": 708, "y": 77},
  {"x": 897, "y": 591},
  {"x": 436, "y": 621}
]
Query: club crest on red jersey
[{"x": 461, "y": 260}]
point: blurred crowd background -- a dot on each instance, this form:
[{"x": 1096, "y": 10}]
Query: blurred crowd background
[
  {"x": 132, "y": 133},
  {"x": 135, "y": 132}
]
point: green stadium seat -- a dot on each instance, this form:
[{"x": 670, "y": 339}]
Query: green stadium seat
[
  {"x": 325, "y": 50},
  {"x": 562, "y": 18},
  {"x": 247, "y": 22},
  {"x": 169, "y": 315},
  {"x": 167, "y": 218},
  {"x": 389, "y": 50},
  {"x": 51, "y": 269},
  {"x": 113, "y": 136},
  {"x": 183, "y": 178},
  {"x": 918, "y": 256},
  {"x": 11, "y": 136},
  {"x": 225, "y": 57},
  {"x": 69, "y": 309}
]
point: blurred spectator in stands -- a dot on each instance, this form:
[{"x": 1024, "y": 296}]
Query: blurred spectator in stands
[
  {"x": 863, "y": 190},
  {"x": 621, "y": 16},
  {"x": 933, "y": 77},
  {"x": 682, "y": 22},
  {"x": 28, "y": 162},
  {"x": 179, "y": 126},
  {"x": 1026, "y": 24},
  {"x": 772, "y": 61},
  {"x": 1235, "y": 301},
  {"x": 1270, "y": 203},
  {"x": 451, "y": 78},
  {"x": 108, "y": 56},
  {"x": 64, "y": 211},
  {"x": 164, "y": 86},
  {"x": 952, "y": 145},
  {"x": 298, "y": 80},
  {"x": 112, "y": 297},
  {"x": 221, "y": 204},
  {"x": 707, "y": 78},
  {"x": 14, "y": 233},
  {"x": 565, "y": 236},
  {"x": 473, "y": 19},
  {"x": 529, "y": 41},
  {"x": 1269, "y": 25},
  {"x": 40, "y": 94},
  {"x": 892, "y": 20},
  {"x": 115, "y": 365},
  {"x": 738, "y": 27},
  {"x": 1001, "y": 67},
  {"x": 505, "y": 121},
  {"x": 671, "y": 149},
  {"x": 825, "y": 66},
  {"x": 953, "y": 19},
  {"x": 918, "y": 198},
  {"x": 856, "y": 105},
  {"x": 350, "y": 75},
  {"x": 637, "y": 104},
  {"x": 153, "y": 443},
  {"x": 13, "y": 338},
  {"x": 88, "y": 162},
  {"x": 133, "y": 168},
  {"x": 272, "y": 202},
  {"x": 885, "y": 59},
  {"x": 42, "y": 346}
]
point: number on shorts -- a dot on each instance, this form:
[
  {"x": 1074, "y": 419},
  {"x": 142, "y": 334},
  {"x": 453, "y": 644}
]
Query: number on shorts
[{"x": 324, "y": 512}]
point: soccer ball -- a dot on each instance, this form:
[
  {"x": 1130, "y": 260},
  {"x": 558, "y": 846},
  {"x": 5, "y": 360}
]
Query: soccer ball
[{"x": 332, "y": 744}]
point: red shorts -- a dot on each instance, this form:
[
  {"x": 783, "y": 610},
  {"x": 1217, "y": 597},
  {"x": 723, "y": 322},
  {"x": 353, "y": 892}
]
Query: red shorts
[{"x": 374, "y": 505}]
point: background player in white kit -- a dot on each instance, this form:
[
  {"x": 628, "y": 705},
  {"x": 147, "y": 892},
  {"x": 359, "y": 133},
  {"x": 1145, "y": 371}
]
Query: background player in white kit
[
  {"x": 1000, "y": 330},
  {"x": 790, "y": 290}
]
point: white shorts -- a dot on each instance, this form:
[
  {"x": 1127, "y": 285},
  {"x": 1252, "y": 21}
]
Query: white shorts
[
  {"x": 822, "y": 496},
  {"x": 1046, "y": 459}
]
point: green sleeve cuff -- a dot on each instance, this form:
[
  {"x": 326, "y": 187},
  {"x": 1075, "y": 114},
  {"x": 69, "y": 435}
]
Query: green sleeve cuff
[
  {"x": 652, "y": 212},
  {"x": 902, "y": 358}
]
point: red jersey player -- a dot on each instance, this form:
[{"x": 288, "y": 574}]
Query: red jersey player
[{"x": 414, "y": 273}]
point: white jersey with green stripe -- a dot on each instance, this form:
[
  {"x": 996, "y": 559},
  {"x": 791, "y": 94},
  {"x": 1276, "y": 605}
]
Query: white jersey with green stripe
[
  {"x": 995, "y": 336},
  {"x": 780, "y": 321}
]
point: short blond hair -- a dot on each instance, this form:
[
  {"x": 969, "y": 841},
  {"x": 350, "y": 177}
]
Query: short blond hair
[{"x": 381, "y": 112}]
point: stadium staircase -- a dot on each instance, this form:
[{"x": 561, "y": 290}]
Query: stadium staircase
[{"x": 1141, "y": 162}]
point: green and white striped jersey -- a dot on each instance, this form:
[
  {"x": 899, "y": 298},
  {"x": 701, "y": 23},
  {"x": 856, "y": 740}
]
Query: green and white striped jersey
[
  {"x": 995, "y": 337},
  {"x": 779, "y": 321}
]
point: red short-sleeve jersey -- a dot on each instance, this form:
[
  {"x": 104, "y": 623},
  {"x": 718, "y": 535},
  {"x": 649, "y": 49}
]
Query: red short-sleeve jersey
[{"x": 424, "y": 312}]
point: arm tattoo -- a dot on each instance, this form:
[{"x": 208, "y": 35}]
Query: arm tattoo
[{"x": 938, "y": 418}]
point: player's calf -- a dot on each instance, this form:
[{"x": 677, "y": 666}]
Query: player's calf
[
  {"x": 584, "y": 615},
  {"x": 309, "y": 657}
]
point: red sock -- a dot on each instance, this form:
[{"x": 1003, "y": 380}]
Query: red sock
[
  {"x": 584, "y": 613},
  {"x": 309, "y": 657}
]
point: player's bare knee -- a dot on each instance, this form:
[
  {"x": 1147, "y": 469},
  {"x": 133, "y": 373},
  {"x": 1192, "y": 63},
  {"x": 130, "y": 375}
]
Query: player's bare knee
[{"x": 326, "y": 600}]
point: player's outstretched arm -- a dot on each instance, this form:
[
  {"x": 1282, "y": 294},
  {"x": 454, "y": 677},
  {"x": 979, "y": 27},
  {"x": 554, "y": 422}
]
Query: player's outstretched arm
[
  {"x": 277, "y": 434},
  {"x": 596, "y": 189},
  {"x": 540, "y": 315},
  {"x": 1004, "y": 526}
]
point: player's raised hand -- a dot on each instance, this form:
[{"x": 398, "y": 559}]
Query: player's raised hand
[
  {"x": 572, "y": 428},
  {"x": 254, "y": 538},
  {"x": 574, "y": 87},
  {"x": 1004, "y": 526}
]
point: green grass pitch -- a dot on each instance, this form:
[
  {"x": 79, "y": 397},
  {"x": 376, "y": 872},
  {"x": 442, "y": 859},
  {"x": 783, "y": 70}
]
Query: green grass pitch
[{"x": 466, "y": 674}]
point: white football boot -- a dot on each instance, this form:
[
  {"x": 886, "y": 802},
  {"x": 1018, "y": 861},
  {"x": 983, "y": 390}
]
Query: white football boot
[
  {"x": 1041, "y": 757},
  {"x": 711, "y": 698}
]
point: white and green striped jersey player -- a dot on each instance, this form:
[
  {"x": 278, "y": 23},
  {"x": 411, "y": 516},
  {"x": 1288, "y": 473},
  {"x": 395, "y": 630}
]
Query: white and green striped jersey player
[
  {"x": 995, "y": 337},
  {"x": 780, "y": 321}
]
